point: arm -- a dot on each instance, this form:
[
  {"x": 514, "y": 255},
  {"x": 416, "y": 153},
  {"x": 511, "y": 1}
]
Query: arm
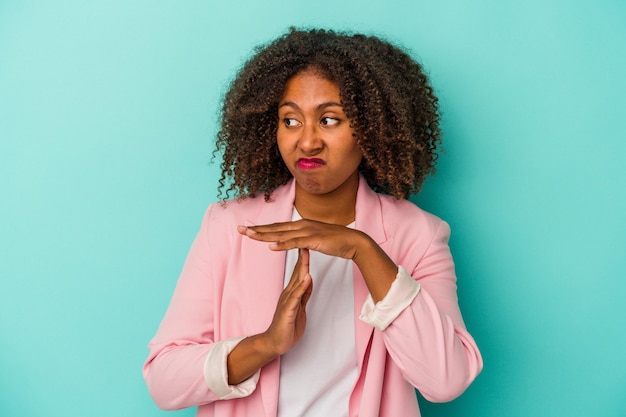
[
  {"x": 428, "y": 340},
  {"x": 174, "y": 368},
  {"x": 187, "y": 366}
]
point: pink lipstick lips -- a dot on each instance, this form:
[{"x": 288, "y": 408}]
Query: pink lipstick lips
[{"x": 309, "y": 163}]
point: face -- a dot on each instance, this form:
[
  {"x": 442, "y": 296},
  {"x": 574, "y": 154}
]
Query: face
[{"x": 315, "y": 137}]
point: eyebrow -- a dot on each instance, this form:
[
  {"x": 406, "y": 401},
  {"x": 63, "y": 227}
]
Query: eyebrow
[{"x": 319, "y": 107}]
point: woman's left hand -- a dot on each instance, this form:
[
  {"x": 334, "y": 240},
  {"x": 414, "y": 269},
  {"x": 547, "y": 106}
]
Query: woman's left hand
[
  {"x": 377, "y": 268},
  {"x": 326, "y": 238}
]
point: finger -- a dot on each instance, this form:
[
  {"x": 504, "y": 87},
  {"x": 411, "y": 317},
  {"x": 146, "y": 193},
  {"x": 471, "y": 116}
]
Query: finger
[
  {"x": 283, "y": 244},
  {"x": 276, "y": 237},
  {"x": 308, "y": 283},
  {"x": 300, "y": 270},
  {"x": 305, "y": 259},
  {"x": 316, "y": 242},
  {"x": 270, "y": 228},
  {"x": 295, "y": 298},
  {"x": 305, "y": 282},
  {"x": 302, "y": 291},
  {"x": 277, "y": 227},
  {"x": 266, "y": 236},
  {"x": 245, "y": 230},
  {"x": 295, "y": 274}
]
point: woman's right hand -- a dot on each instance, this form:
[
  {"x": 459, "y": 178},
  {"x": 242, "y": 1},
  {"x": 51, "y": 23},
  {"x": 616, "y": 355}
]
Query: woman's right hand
[
  {"x": 289, "y": 320},
  {"x": 286, "y": 329}
]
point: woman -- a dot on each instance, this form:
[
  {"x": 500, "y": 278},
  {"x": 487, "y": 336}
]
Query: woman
[{"x": 331, "y": 294}]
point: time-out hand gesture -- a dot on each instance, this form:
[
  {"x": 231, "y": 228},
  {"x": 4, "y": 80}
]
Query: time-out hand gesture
[
  {"x": 289, "y": 320},
  {"x": 377, "y": 268}
]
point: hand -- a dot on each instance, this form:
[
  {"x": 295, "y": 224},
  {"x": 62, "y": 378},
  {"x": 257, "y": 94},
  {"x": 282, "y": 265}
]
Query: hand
[
  {"x": 286, "y": 329},
  {"x": 326, "y": 238},
  {"x": 377, "y": 268},
  {"x": 289, "y": 320}
]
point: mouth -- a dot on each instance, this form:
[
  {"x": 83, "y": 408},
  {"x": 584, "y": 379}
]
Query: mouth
[{"x": 309, "y": 163}]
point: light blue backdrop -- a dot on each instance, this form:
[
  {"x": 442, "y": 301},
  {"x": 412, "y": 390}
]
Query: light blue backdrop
[{"x": 107, "y": 117}]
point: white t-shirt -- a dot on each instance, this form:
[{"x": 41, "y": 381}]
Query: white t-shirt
[{"x": 318, "y": 374}]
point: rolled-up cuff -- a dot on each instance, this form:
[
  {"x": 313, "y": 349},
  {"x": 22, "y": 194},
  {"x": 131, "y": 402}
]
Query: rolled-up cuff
[
  {"x": 401, "y": 294},
  {"x": 216, "y": 372}
]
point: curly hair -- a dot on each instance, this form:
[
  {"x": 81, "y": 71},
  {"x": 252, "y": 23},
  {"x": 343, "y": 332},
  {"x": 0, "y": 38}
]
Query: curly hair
[{"x": 385, "y": 95}]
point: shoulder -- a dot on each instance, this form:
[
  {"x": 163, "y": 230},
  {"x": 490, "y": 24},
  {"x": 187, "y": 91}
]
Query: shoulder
[
  {"x": 235, "y": 208},
  {"x": 414, "y": 232},
  {"x": 407, "y": 214},
  {"x": 254, "y": 209},
  {"x": 408, "y": 224},
  {"x": 385, "y": 217}
]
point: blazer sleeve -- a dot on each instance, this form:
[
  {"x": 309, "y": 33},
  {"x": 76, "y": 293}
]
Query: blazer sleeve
[
  {"x": 428, "y": 340},
  {"x": 174, "y": 368}
]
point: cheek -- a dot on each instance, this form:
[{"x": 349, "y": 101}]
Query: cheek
[
  {"x": 355, "y": 153},
  {"x": 352, "y": 159},
  {"x": 283, "y": 137},
  {"x": 280, "y": 141},
  {"x": 282, "y": 149}
]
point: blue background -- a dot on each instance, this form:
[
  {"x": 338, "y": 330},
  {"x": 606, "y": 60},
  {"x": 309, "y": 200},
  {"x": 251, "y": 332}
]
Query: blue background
[{"x": 108, "y": 112}]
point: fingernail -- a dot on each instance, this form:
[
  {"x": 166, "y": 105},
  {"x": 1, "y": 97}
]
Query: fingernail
[{"x": 245, "y": 230}]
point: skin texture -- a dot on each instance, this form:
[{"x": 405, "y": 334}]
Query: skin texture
[{"x": 313, "y": 126}]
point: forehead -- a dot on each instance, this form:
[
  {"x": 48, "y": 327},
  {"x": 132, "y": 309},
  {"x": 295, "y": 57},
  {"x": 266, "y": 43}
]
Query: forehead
[{"x": 310, "y": 87}]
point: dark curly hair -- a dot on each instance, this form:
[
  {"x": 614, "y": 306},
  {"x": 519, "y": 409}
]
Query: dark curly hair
[{"x": 385, "y": 95}]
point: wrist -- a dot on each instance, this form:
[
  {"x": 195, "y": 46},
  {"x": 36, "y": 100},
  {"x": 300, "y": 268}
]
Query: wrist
[
  {"x": 377, "y": 268},
  {"x": 263, "y": 346},
  {"x": 246, "y": 358},
  {"x": 364, "y": 248}
]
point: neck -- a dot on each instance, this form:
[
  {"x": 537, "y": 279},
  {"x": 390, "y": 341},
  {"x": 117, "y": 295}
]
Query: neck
[{"x": 336, "y": 207}]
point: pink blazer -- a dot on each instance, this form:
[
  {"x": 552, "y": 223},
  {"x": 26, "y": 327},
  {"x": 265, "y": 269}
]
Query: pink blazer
[{"x": 230, "y": 284}]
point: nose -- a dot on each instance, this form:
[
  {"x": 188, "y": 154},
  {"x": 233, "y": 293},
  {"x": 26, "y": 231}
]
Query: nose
[{"x": 310, "y": 142}]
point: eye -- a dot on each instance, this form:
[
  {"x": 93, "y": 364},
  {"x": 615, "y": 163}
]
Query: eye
[
  {"x": 290, "y": 122},
  {"x": 329, "y": 121}
]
